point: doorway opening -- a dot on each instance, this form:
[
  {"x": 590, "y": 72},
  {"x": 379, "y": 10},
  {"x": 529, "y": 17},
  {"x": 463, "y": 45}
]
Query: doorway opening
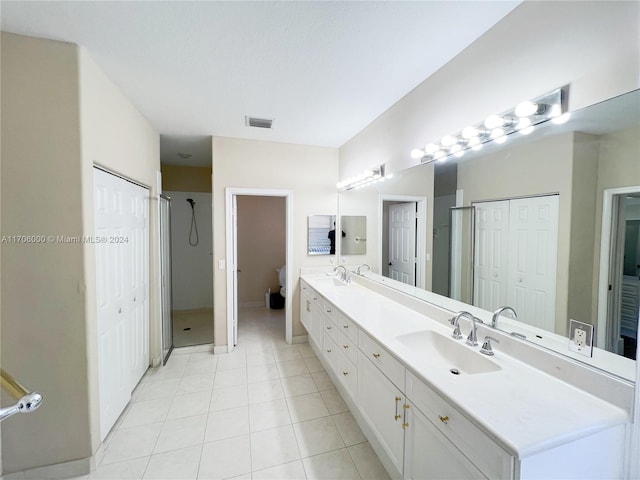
[
  {"x": 259, "y": 261},
  {"x": 186, "y": 181},
  {"x": 619, "y": 286},
  {"x": 403, "y": 238}
]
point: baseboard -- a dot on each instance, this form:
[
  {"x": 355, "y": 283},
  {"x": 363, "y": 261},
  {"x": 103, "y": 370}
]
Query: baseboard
[
  {"x": 72, "y": 469},
  {"x": 207, "y": 347},
  {"x": 220, "y": 349},
  {"x": 300, "y": 339},
  {"x": 157, "y": 361}
]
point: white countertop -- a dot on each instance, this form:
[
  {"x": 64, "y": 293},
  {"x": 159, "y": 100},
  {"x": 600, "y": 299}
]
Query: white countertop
[{"x": 525, "y": 410}]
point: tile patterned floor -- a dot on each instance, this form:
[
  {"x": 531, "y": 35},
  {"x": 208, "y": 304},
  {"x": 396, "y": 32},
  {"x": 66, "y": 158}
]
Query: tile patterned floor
[{"x": 266, "y": 411}]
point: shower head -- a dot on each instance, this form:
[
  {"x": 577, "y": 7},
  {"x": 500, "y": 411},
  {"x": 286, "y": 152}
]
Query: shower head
[{"x": 192, "y": 202}]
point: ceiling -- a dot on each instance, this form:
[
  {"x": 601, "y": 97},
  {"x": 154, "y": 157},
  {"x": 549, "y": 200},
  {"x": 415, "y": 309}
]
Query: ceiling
[{"x": 322, "y": 70}]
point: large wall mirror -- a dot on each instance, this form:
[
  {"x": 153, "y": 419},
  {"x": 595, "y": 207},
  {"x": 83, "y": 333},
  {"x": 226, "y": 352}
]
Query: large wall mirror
[{"x": 547, "y": 223}]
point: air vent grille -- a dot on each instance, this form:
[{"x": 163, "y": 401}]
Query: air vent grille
[{"x": 258, "y": 122}]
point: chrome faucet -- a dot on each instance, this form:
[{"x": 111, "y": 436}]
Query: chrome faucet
[
  {"x": 472, "y": 339},
  {"x": 343, "y": 274},
  {"x": 498, "y": 312},
  {"x": 360, "y": 267},
  {"x": 455, "y": 321}
]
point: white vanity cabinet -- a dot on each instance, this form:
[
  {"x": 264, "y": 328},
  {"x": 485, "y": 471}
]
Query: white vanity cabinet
[
  {"x": 381, "y": 404},
  {"x": 419, "y": 435},
  {"x": 429, "y": 455}
]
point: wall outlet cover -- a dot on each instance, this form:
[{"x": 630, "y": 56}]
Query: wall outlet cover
[{"x": 581, "y": 338}]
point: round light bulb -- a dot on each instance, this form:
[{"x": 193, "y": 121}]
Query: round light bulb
[
  {"x": 438, "y": 154},
  {"x": 448, "y": 140},
  {"x": 459, "y": 153},
  {"x": 494, "y": 121},
  {"x": 476, "y": 147},
  {"x": 501, "y": 139},
  {"x": 416, "y": 153},
  {"x": 497, "y": 133},
  {"x": 431, "y": 148},
  {"x": 555, "y": 111},
  {"x": 455, "y": 148},
  {"x": 523, "y": 123},
  {"x": 473, "y": 141},
  {"x": 528, "y": 130},
  {"x": 469, "y": 132},
  {"x": 564, "y": 118},
  {"x": 526, "y": 109}
]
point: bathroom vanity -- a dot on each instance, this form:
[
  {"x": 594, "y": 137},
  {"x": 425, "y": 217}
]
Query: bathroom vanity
[{"x": 434, "y": 408}]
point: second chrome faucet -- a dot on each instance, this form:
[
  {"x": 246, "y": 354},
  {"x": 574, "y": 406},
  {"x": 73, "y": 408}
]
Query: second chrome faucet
[{"x": 472, "y": 339}]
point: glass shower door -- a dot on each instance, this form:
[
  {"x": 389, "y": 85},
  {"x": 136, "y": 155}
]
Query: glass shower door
[{"x": 165, "y": 276}]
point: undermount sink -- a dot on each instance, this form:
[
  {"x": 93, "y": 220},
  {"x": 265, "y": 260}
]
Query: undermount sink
[
  {"x": 332, "y": 282},
  {"x": 448, "y": 353}
]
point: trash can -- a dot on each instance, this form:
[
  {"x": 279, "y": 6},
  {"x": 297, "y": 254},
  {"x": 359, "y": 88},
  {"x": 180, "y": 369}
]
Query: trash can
[{"x": 276, "y": 301}]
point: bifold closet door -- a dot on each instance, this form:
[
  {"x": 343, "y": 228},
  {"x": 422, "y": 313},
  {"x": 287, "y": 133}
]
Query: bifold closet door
[{"x": 122, "y": 281}]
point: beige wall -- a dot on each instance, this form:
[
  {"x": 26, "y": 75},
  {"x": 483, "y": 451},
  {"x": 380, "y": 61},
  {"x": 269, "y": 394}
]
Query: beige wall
[
  {"x": 618, "y": 166},
  {"x": 309, "y": 172},
  {"x": 178, "y": 178},
  {"x": 59, "y": 116},
  {"x": 535, "y": 168},
  {"x": 44, "y": 334},
  {"x": 116, "y": 136},
  {"x": 261, "y": 246},
  {"x": 539, "y": 46}
]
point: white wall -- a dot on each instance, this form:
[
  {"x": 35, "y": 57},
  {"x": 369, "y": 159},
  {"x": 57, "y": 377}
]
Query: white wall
[
  {"x": 192, "y": 275},
  {"x": 539, "y": 46},
  {"x": 310, "y": 172}
]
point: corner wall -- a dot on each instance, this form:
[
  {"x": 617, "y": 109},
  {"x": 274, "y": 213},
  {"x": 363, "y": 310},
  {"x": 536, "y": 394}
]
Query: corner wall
[
  {"x": 60, "y": 115},
  {"x": 44, "y": 332},
  {"x": 310, "y": 172}
]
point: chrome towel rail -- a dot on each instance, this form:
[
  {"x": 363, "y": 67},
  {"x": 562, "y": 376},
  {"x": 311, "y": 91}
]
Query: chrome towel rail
[{"x": 26, "y": 401}]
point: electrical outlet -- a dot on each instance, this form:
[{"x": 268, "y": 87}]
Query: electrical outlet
[{"x": 581, "y": 338}]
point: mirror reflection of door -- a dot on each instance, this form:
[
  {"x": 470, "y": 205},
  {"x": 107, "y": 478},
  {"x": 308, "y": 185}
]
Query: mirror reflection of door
[
  {"x": 625, "y": 274},
  {"x": 515, "y": 252},
  {"x": 402, "y": 242}
]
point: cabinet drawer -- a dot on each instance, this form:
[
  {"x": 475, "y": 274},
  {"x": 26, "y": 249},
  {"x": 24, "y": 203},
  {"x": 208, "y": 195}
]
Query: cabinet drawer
[
  {"x": 346, "y": 326},
  {"x": 330, "y": 329},
  {"x": 329, "y": 310},
  {"x": 391, "y": 367},
  {"x": 348, "y": 347},
  {"x": 347, "y": 373},
  {"x": 477, "y": 446}
]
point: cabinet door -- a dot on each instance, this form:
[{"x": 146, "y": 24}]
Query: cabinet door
[
  {"x": 429, "y": 455},
  {"x": 305, "y": 311},
  {"x": 317, "y": 324},
  {"x": 381, "y": 403}
]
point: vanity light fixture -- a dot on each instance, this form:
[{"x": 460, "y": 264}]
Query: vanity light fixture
[
  {"x": 496, "y": 128},
  {"x": 365, "y": 178}
]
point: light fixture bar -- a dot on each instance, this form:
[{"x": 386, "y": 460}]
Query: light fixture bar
[
  {"x": 365, "y": 178},
  {"x": 523, "y": 118}
]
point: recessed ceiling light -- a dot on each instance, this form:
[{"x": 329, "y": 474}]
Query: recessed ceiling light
[{"x": 184, "y": 155}]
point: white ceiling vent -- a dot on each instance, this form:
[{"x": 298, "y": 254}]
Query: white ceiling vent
[{"x": 258, "y": 122}]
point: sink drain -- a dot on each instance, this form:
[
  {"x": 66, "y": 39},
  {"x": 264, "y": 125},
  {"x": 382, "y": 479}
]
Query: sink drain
[{"x": 455, "y": 371}]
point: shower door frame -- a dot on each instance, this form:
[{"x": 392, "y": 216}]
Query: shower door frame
[{"x": 231, "y": 257}]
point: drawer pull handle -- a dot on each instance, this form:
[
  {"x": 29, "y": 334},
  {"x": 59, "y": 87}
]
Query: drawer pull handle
[
  {"x": 406, "y": 407},
  {"x": 444, "y": 419},
  {"x": 376, "y": 355},
  {"x": 345, "y": 326},
  {"x": 328, "y": 327},
  {"x": 397, "y": 417},
  {"x": 405, "y": 425},
  {"x": 328, "y": 350},
  {"x": 345, "y": 373},
  {"x": 345, "y": 346}
]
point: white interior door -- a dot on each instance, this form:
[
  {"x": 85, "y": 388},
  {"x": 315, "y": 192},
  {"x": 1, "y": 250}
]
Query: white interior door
[
  {"x": 122, "y": 279},
  {"x": 533, "y": 252},
  {"x": 402, "y": 242},
  {"x": 491, "y": 254}
]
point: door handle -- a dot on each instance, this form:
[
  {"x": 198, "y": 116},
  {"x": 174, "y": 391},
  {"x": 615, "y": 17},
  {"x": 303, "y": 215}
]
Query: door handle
[{"x": 390, "y": 263}]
